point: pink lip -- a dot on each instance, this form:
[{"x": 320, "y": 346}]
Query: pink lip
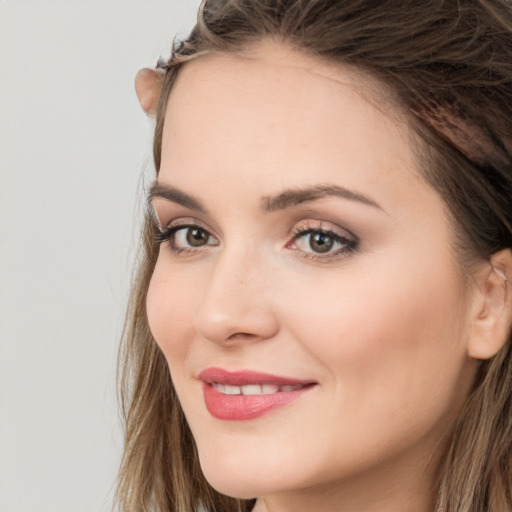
[{"x": 247, "y": 407}]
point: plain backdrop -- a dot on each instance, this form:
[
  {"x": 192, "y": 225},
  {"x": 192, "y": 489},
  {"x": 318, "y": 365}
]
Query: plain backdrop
[{"x": 73, "y": 145}]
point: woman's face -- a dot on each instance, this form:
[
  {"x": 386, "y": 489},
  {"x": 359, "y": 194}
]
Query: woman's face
[{"x": 306, "y": 295}]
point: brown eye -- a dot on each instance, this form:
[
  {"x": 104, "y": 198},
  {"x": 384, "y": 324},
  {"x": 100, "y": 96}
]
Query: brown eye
[
  {"x": 196, "y": 237},
  {"x": 186, "y": 240},
  {"x": 320, "y": 242}
]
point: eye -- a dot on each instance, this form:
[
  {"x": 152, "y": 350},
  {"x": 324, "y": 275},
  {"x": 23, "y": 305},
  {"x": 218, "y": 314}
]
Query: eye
[
  {"x": 319, "y": 243},
  {"x": 192, "y": 236},
  {"x": 186, "y": 238}
]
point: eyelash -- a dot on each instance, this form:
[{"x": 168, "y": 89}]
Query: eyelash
[
  {"x": 348, "y": 245},
  {"x": 168, "y": 235}
]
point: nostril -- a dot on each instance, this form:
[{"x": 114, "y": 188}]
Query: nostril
[{"x": 242, "y": 335}]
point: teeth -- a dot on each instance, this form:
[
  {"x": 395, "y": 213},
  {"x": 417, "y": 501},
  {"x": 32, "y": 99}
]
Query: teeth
[
  {"x": 251, "y": 389},
  {"x": 232, "y": 390},
  {"x": 268, "y": 389},
  {"x": 254, "y": 389}
]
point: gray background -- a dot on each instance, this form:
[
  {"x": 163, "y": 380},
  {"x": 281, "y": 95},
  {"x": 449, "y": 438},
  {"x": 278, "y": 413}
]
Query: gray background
[{"x": 73, "y": 144}]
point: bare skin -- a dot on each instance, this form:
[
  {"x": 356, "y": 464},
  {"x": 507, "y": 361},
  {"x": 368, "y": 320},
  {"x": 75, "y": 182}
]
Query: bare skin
[{"x": 377, "y": 317}]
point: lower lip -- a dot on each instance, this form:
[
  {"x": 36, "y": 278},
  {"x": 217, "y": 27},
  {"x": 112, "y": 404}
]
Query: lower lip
[{"x": 246, "y": 407}]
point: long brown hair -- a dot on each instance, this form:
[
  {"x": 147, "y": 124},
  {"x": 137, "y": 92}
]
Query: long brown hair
[{"x": 449, "y": 65}]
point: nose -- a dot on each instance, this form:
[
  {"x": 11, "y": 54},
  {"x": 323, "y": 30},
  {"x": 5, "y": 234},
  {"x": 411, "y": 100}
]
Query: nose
[{"x": 236, "y": 305}]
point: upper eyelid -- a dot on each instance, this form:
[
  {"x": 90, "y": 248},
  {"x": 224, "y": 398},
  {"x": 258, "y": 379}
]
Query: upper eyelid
[
  {"x": 185, "y": 222},
  {"x": 328, "y": 232},
  {"x": 304, "y": 209},
  {"x": 325, "y": 226},
  {"x": 165, "y": 213}
]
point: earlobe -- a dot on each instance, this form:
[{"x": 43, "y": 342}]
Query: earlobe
[
  {"x": 148, "y": 86},
  {"x": 492, "y": 319}
]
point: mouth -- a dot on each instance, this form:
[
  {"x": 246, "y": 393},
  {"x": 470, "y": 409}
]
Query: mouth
[
  {"x": 247, "y": 395},
  {"x": 255, "y": 389}
]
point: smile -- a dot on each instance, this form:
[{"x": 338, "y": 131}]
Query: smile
[
  {"x": 248, "y": 395},
  {"x": 255, "y": 389}
]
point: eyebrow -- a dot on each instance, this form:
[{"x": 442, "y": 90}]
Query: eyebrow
[
  {"x": 286, "y": 199},
  {"x": 158, "y": 190},
  {"x": 295, "y": 197}
]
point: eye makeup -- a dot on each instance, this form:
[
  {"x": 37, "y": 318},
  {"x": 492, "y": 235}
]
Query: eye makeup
[
  {"x": 321, "y": 244},
  {"x": 185, "y": 239},
  {"x": 310, "y": 240}
]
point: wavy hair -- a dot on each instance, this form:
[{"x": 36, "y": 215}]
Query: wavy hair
[{"x": 448, "y": 63}]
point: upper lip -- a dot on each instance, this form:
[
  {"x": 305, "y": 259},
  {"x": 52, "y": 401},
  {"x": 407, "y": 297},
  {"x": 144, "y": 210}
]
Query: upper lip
[{"x": 243, "y": 377}]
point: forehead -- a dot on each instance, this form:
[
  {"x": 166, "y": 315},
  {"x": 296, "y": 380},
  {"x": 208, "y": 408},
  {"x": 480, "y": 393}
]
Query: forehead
[
  {"x": 278, "y": 75},
  {"x": 283, "y": 118}
]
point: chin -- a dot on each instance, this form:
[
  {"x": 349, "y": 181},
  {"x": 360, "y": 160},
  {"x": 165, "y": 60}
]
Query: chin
[
  {"x": 239, "y": 485},
  {"x": 235, "y": 477}
]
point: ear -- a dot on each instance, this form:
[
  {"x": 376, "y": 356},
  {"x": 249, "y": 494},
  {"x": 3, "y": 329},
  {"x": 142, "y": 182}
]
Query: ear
[
  {"x": 493, "y": 312},
  {"x": 148, "y": 86}
]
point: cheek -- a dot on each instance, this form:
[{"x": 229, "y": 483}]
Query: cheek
[
  {"x": 387, "y": 332},
  {"x": 170, "y": 303}
]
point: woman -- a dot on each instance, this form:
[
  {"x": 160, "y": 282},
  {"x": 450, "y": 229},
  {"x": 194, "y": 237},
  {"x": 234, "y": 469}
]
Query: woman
[{"x": 321, "y": 319}]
